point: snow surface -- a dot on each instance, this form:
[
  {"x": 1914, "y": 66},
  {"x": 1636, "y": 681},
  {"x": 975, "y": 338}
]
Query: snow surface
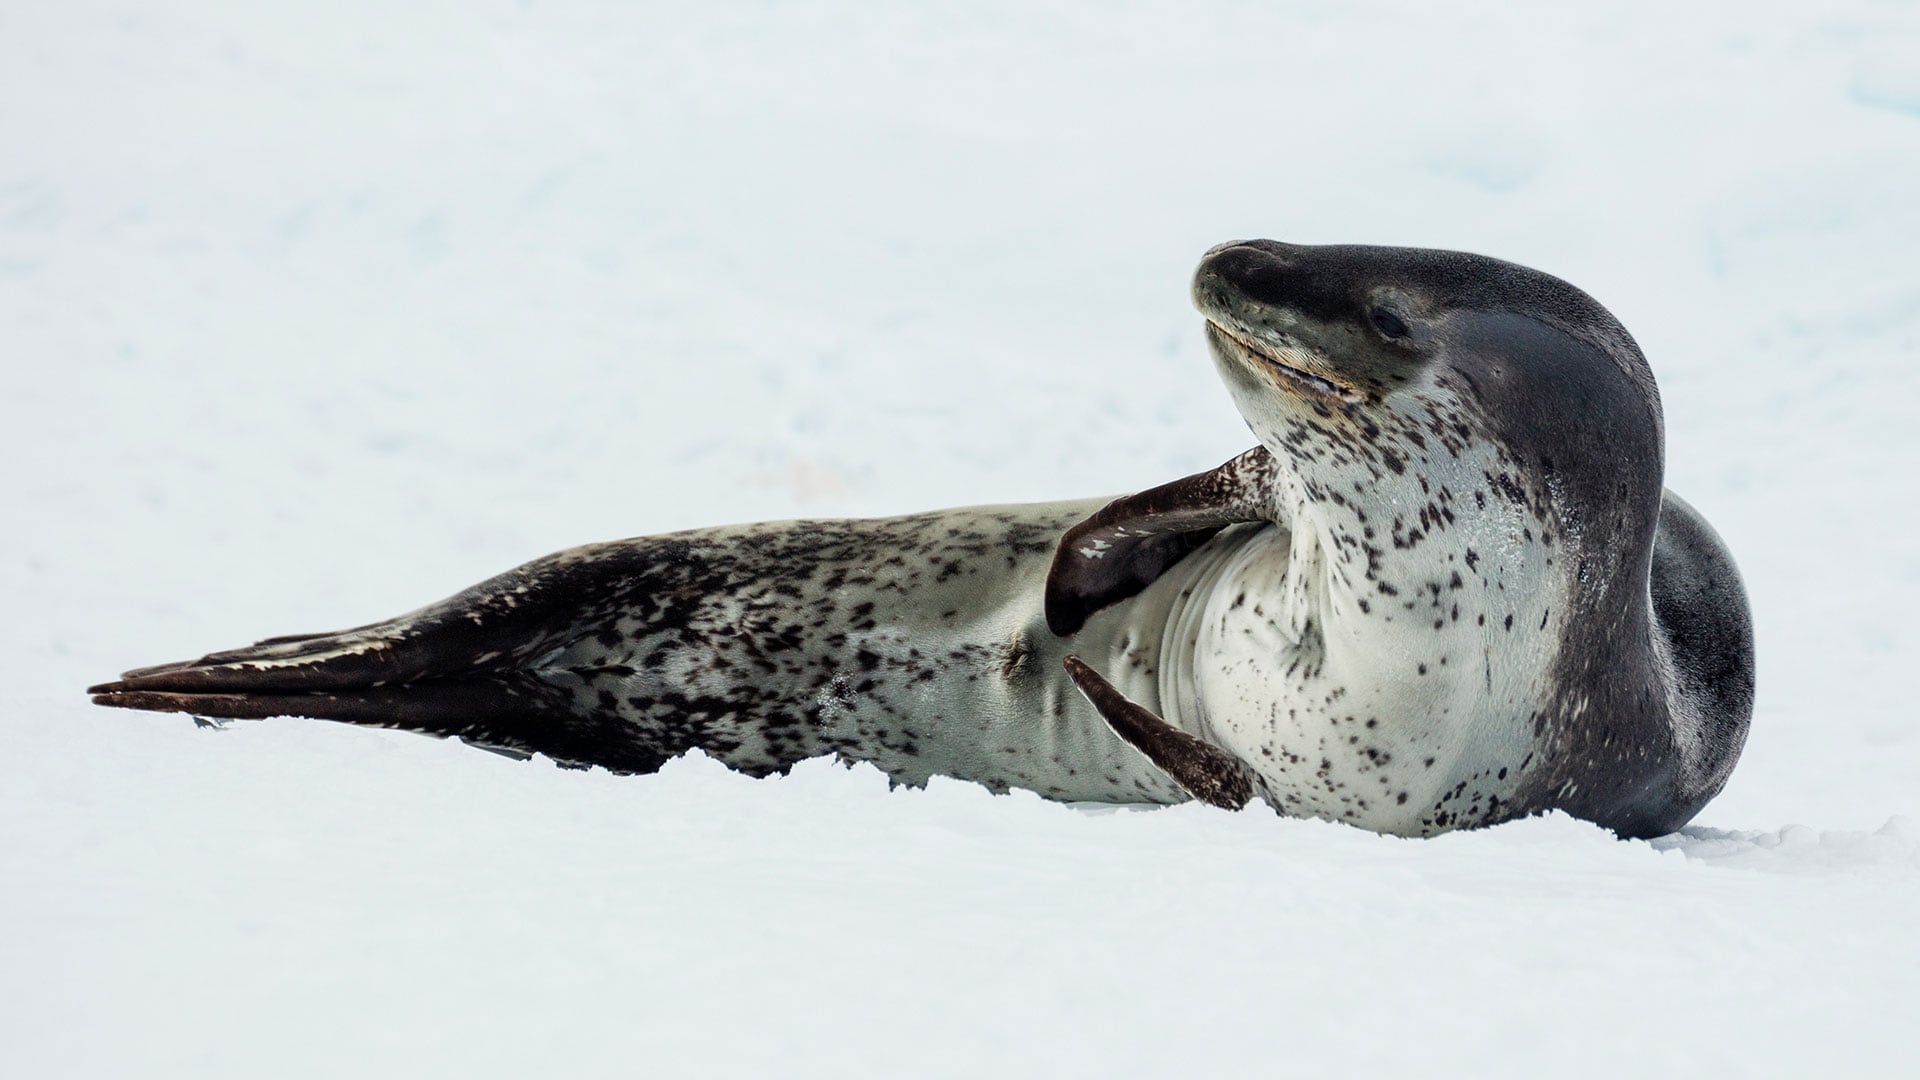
[{"x": 312, "y": 313}]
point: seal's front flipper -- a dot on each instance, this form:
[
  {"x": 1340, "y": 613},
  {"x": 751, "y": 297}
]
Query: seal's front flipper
[
  {"x": 1129, "y": 542},
  {"x": 1205, "y": 771}
]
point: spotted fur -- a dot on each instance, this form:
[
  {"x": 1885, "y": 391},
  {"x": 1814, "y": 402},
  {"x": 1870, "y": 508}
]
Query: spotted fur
[
  {"x": 916, "y": 643},
  {"x": 1461, "y": 617},
  {"x": 1447, "y": 589}
]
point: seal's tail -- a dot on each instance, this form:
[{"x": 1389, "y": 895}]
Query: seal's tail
[{"x": 477, "y": 666}]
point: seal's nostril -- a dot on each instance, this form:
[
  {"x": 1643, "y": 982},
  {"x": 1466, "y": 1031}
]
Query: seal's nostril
[{"x": 1257, "y": 272}]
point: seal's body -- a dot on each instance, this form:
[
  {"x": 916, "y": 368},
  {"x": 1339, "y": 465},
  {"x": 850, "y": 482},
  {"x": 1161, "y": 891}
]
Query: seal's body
[
  {"x": 1446, "y": 590},
  {"x": 917, "y": 643}
]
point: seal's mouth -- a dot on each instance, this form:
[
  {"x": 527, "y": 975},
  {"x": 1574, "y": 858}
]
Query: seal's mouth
[{"x": 1275, "y": 359}]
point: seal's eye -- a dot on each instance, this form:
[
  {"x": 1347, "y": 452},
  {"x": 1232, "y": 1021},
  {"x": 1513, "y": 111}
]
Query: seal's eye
[{"x": 1388, "y": 323}]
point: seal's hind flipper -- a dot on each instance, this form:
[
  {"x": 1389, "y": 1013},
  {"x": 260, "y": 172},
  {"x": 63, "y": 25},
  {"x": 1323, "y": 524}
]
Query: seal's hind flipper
[
  {"x": 500, "y": 625},
  {"x": 469, "y": 667},
  {"x": 510, "y": 713},
  {"x": 1129, "y": 542},
  {"x": 302, "y": 662},
  {"x": 1203, "y": 770}
]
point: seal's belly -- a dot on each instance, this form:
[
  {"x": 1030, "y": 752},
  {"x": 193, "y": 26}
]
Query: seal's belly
[{"x": 1336, "y": 727}]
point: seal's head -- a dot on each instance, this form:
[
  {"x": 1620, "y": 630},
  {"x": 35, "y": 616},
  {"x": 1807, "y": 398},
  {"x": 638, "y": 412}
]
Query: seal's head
[
  {"x": 1402, "y": 370},
  {"x": 1461, "y": 617}
]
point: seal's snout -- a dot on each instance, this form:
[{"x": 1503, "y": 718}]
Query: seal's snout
[
  {"x": 1263, "y": 271},
  {"x": 1255, "y": 272}
]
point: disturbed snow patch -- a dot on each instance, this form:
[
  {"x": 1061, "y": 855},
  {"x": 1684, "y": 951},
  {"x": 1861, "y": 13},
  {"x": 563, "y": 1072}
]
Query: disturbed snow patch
[{"x": 1798, "y": 849}]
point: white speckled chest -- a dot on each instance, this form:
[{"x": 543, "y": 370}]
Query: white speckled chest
[{"x": 1393, "y": 715}]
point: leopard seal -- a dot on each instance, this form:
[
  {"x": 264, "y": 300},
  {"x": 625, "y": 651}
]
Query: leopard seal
[{"x": 1445, "y": 590}]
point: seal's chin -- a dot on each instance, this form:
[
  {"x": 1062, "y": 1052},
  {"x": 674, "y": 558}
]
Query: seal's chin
[{"x": 1279, "y": 361}]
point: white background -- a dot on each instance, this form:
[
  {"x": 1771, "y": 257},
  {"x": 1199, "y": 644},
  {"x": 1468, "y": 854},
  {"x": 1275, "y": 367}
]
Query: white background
[{"x": 310, "y": 314}]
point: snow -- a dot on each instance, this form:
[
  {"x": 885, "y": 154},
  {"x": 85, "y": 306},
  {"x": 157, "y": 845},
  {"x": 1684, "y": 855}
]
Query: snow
[{"x": 313, "y": 313}]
